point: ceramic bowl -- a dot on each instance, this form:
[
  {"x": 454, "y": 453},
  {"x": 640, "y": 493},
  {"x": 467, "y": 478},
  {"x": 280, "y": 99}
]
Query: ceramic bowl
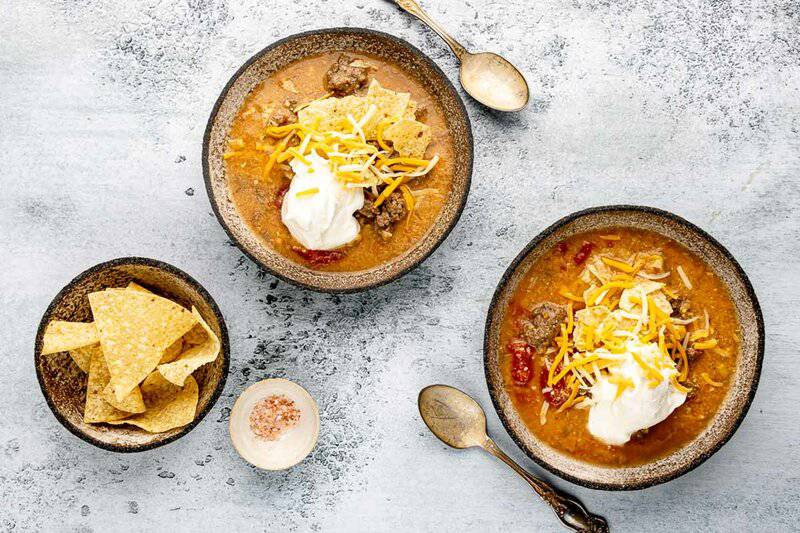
[
  {"x": 743, "y": 382},
  {"x": 292, "y": 49},
  {"x": 64, "y": 384}
]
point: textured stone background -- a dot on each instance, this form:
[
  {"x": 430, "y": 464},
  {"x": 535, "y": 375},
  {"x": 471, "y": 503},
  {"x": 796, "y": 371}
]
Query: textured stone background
[{"x": 686, "y": 105}]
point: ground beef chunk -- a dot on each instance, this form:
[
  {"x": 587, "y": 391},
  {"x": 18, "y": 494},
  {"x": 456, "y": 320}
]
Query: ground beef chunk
[
  {"x": 390, "y": 211},
  {"x": 284, "y": 114},
  {"x": 681, "y": 307},
  {"x": 369, "y": 211},
  {"x": 543, "y": 324},
  {"x": 343, "y": 78}
]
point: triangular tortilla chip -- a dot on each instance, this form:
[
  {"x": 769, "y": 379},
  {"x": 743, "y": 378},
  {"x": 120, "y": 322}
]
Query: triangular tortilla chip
[
  {"x": 168, "y": 406},
  {"x": 388, "y": 104},
  {"x": 411, "y": 111},
  {"x": 83, "y": 356},
  {"x": 193, "y": 358},
  {"x": 135, "y": 328},
  {"x": 409, "y": 137},
  {"x": 132, "y": 403},
  {"x": 330, "y": 114},
  {"x": 196, "y": 335},
  {"x": 60, "y": 336},
  {"x": 97, "y": 409},
  {"x": 174, "y": 349},
  {"x": 133, "y": 286}
]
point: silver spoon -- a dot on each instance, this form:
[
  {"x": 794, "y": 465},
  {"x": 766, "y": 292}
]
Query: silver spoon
[
  {"x": 458, "y": 421},
  {"x": 487, "y": 77}
]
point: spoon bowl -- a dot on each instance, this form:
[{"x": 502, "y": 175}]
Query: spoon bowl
[
  {"x": 455, "y": 418},
  {"x": 493, "y": 81}
]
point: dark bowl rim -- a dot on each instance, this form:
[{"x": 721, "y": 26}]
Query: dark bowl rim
[
  {"x": 492, "y": 311},
  {"x": 339, "y": 30},
  {"x": 172, "y": 270}
]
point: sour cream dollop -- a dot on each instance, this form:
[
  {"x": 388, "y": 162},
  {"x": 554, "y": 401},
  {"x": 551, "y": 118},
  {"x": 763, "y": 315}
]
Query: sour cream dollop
[
  {"x": 323, "y": 220},
  {"x": 614, "y": 419}
]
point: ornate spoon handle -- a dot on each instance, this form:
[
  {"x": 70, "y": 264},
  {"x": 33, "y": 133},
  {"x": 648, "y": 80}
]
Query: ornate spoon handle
[
  {"x": 413, "y": 8},
  {"x": 569, "y": 510}
]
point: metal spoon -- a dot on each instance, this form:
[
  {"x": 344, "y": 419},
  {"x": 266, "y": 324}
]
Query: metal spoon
[
  {"x": 487, "y": 77},
  {"x": 458, "y": 421}
]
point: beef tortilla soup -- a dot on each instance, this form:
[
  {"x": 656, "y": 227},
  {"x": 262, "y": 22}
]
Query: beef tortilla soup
[
  {"x": 340, "y": 161},
  {"x": 618, "y": 346}
]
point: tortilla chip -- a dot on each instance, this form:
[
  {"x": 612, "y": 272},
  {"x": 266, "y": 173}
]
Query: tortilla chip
[
  {"x": 96, "y": 408},
  {"x": 83, "y": 356},
  {"x": 173, "y": 351},
  {"x": 332, "y": 112},
  {"x": 61, "y": 336},
  {"x": 411, "y": 111},
  {"x": 409, "y": 137},
  {"x": 135, "y": 329},
  {"x": 132, "y": 403},
  {"x": 196, "y": 335},
  {"x": 168, "y": 406},
  {"x": 133, "y": 286},
  {"x": 388, "y": 104},
  {"x": 193, "y": 358}
]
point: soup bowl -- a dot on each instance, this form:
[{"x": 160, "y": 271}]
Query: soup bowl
[
  {"x": 63, "y": 384},
  {"x": 285, "y": 52},
  {"x": 743, "y": 380}
]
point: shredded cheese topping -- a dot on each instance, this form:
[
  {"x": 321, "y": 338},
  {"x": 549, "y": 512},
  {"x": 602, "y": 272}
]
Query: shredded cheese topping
[
  {"x": 627, "y": 300},
  {"x": 354, "y": 159}
]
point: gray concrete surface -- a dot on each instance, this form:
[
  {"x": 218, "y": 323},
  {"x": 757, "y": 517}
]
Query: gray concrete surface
[{"x": 689, "y": 106}]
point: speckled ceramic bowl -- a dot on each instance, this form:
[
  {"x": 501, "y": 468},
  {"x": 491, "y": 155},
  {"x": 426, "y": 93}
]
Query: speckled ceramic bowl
[
  {"x": 64, "y": 384},
  {"x": 287, "y": 51},
  {"x": 743, "y": 384}
]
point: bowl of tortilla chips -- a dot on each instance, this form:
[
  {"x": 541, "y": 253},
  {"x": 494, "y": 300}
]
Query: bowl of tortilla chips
[{"x": 132, "y": 354}]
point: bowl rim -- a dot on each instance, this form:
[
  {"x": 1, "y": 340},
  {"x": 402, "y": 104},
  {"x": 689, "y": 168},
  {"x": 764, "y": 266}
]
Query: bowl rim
[
  {"x": 165, "y": 267},
  {"x": 213, "y": 200},
  {"x": 700, "y": 459}
]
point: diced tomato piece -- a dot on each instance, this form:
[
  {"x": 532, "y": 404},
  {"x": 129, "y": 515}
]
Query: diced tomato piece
[
  {"x": 583, "y": 253},
  {"x": 319, "y": 257},
  {"x": 280, "y": 194},
  {"x": 557, "y": 394},
  {"x": 521, "y": 361},
  {"x": 561, "y": 247}
]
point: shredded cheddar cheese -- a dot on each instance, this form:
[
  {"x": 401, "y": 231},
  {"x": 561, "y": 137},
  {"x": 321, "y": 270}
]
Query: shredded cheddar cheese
[
  {"x": 710, "y": 381},
  {"x": 706, "y": 345},
  {"x": 308, "y": 192},
  {"x": 619, "y": 265},
  {"x": 394, "y": 184},
  {"x": 684, "y": 278},
  {"x": 569, "y": 296}
]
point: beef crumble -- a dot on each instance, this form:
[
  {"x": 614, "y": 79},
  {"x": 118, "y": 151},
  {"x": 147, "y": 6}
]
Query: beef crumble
[
  {"x": 344, "y": 78},
  {"x": 543, "y": 324},
  {"x": 284, "y": 114},
  {"x": 681, "y": 306},
  {"x": 390, "y": 211}
]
